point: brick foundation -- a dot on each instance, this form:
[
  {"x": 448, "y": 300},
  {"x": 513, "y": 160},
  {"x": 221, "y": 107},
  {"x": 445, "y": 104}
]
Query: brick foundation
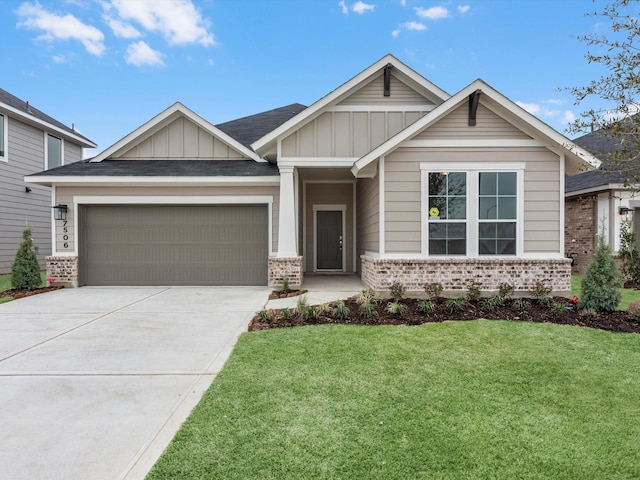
[
  {"x": 580, "y": 230},
  {"x": 455, "y": 275},
  {"x": 63, "y": 270},
  {"x": 281, "y": 268}
]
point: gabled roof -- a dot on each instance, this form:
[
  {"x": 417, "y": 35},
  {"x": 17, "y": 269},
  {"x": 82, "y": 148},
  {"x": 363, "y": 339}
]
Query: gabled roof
[
  {"x": 249, "y": 129},
  {"x": 574, "y": 154},
  {"x": 164, "y": 118},
  {"x": 30, "y": 114},
  {"x": 262, "y": 145}
]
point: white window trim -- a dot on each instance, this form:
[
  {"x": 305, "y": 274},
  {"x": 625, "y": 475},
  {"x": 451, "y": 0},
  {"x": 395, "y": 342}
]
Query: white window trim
[
  {"x": 5, "y": 135},
  {"x": 329, "y": 208},
  {"x": 46, "y": 150},
  {"x": 472, "y": 220}
]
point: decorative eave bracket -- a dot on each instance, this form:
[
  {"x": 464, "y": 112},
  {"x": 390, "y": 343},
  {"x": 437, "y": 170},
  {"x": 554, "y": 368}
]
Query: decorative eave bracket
[
  {"x": 474, "y": 100},
  {"x": 387, "y": 80}
]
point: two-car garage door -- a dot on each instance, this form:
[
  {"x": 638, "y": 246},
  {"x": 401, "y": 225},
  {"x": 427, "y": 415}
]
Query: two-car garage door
[{"x": 173, "y": 244}]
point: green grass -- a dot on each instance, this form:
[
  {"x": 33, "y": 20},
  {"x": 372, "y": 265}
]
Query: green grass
[
  {"x": 456, "y": 400},
  {"x": 628, "y": 295},
  {"x": 5, "y": 284}
]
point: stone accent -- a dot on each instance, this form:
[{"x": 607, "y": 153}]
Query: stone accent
[
  {"x": 63, "y": 271},
  {"x": 580, "y": 224},
  {"x": 455, "y": 274},
  {"x": 282, "y": 267}
]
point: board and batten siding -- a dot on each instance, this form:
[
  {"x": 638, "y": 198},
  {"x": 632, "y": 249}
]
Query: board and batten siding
[
  {"x": 65, "y": 195},
  {"x": 367, "y": 217},
  {"x": 329, "y": 194},
  {"x": 19, "y": 209},
  {"x": 373, "y": 94},
  {"x": 403, "y": 193},
  {"x": 181, "y": 139}
]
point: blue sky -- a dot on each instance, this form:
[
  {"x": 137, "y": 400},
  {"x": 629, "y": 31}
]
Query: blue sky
[{"x": 107, "y": 66}]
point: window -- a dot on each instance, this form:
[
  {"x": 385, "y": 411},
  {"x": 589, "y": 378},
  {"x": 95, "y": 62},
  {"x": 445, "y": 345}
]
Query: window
[
  {"x": 472, "y": 209},
  {"x": 54, "y": 152},
  {"x": 3, "y": 138}
]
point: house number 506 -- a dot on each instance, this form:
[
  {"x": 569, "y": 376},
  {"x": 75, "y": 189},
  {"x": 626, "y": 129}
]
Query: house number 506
[{"x": 65, "y": 231}]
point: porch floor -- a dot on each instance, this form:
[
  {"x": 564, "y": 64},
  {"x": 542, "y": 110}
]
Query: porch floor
[{"x": 322, "y": 288}]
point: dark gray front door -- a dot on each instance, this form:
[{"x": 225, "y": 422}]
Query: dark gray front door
[{"x": 329, "y": 240}]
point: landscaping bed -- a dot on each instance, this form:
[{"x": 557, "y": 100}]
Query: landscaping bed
[
  {"x": 556, "y": 310},
  {"x": 16, "y": 293}
]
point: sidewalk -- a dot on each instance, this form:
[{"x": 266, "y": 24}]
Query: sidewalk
[{"x": 322, "y": 289}]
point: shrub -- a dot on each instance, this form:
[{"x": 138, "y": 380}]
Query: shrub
[
  {"x": 539, "y": 291},
  {"x": 426, "y": 306},
  {"x": 434, "y": 290},
  {"x": 629, "y": 253},
  {"x": 25, "y": 271},
  {"x": 545, "y": 302},
  {"x": 368, "y": 310},
  {"x": 397, "y": 291},
  {"x": 602, "y": 281},
  {"x": 505, "y": 290},
  {"x": 634, "y": 310},
  {"x": 367, "y": 295},
  {"x": 285, "y": 287},
  {"x": 493, "y": 302},
  {"x": 455, "y": 304},
  {"x": 396, "y": 308},
  {"x": 303, "y": 309},
  {"x": 286, "y": 313},
  {"x": 473, "y": 292},
  {"x": 521, "y": 304},
  {"x": 559, "y": 307},
  {"x": 588, "y": 313},
  {"x": 263, "y": 315},
  {"x": 340, "y": 310}
]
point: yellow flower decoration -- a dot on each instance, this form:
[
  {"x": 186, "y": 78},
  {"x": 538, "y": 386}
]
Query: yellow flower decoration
[{"x": 434, "y": 212}]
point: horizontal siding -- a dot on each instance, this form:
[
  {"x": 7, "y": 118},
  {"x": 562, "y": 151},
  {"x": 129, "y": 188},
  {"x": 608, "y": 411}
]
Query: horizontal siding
[
  {"x": 403, "y": 193},
  {"x": 488, "y": 125},
  {"x": 373, "y": 94},
  {"x": 65, "y": 195},
  {"x": 367, "y": 217},
  {"x": 181, "y": 139},
  {"x": 19, "y": 209}
]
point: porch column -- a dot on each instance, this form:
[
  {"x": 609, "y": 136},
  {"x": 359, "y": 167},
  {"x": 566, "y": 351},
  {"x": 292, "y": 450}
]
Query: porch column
[{"x": 287, "y": 246}]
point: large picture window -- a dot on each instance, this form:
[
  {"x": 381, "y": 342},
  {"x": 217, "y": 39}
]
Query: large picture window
[{"x": 475, "y": 212}]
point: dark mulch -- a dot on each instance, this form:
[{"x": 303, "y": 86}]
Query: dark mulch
[
  {"x": 22, "y": 292},
  {"x": 619, "y": 321}
]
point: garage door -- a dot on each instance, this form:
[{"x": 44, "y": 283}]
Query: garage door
[{"x": 173, "y": 245}]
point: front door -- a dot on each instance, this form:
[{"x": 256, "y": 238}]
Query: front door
[{"x": 329, "y": 240}]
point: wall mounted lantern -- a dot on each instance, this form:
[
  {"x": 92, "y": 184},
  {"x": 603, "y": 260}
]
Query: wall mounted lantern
[{"x": 60, "y": 212}]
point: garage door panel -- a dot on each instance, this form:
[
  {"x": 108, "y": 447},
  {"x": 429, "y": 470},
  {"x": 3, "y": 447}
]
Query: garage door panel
[{"x": 175, "y": 245}]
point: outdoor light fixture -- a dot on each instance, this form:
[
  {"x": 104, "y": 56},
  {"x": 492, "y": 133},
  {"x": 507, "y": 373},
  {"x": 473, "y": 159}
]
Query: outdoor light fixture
[
  {"x": 60, "y": 212},
  {"x": 624, "y": 210}
]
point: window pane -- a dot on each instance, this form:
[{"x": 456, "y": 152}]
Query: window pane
[
  {"x": 507, "y": 184},
  {"x": 437, "y": 230},
  {"x": 437, "y": 184},
  {"x": 456, "y": 230},
  {"x": 497, "y": 238},
  {"x": 487, "y": 247},
  {"x": 507, "y": 208},
  {"x": 438, "y": 247},
  {"x": 487, "y": 207},
  {"x": 54, "y": 152},
  {"x": 506, "y": 247},
  {"x": 440, "y": 204},
  {"x": 487, "y": 230},
  {"x": 447, "y": 238},
  {"x": 457, "y": 183},
  {"x": 457, "y": 208},
  {"x": 1, "y": 135},
  {"x": 488, "y": 183},
  {"x": 506, "y": 230}
]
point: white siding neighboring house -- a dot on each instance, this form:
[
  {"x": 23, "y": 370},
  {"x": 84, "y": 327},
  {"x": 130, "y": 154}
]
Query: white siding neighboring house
[
  {"x": 387, "y": 176},
  {"x": 30, "y": 141}
]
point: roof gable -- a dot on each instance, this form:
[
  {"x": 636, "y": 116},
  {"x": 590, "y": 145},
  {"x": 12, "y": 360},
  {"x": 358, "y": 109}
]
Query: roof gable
[
  {"x": 177, "y": 119},
  {"x": 348, "y": 90},
  {"x": 501, "y": 106}
]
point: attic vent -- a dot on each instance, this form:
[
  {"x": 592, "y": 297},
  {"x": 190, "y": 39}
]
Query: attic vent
[
  {"x": 387, "y": 80},
  {"x": 474, "y": 100}
]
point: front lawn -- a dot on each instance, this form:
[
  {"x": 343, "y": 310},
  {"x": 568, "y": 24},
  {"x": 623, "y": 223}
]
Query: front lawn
[
  {"x": 628, "y": 294},
  {"x": 5, "y": 284},
  {"x": 453, "y": 400}
]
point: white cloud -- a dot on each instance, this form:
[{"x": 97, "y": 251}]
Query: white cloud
[
  {"x": 433, "y": 13},
  {"x": 60, "y": 27},
  {"x": 121, "y": 29},
  {"x": 532, "y": 108},
  {"x": 140, "y": 54},
  {"x": 414, "y": 26},
  {"x": 59, "y": 59},
  {"x": 462, "y": 9},
  {"x": 179, "y": 21},
  {"x": 343, "y": 6},
  {"x": 396, "y": 32},
  {"x": 360, "y": 7},
  {"x": 568, "y": 117}
]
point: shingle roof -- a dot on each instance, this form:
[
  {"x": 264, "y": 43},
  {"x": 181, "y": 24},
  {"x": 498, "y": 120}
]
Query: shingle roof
[
  {"x": 247, "y": 130},
  {"x": 27, "y": 109},
  {"x": 165, "y": 168}
]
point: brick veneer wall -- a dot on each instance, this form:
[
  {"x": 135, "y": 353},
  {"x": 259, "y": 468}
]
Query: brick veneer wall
[
  {"x": 580, "y": 230},
  {"x": 280, "y": 268},
  {"x": 63, "y": 270},
  {"x": 455, "y": 275}
]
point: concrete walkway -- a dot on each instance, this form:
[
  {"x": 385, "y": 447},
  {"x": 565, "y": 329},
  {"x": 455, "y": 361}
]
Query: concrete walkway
[
  {"x": 94, "y": 382},
  {"x": 322, "y": 289}
]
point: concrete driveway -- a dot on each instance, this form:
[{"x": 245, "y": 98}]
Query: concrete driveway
[{"x": 94, "y": 382}]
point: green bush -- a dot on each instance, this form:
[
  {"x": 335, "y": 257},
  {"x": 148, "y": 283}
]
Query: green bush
[
  {"x": 634, "y": 310},
  {"x": 629, "y": 253},
  {"x": 602, "y": 281},
  {"x": 473, "y": 292},
  {"x": 397, "y": 291},
  {"x": 25, "y": 271},
  {"x": 396, "y": 308}
]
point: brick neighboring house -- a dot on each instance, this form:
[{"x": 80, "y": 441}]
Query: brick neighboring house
[{"x": 595, "y": 200}]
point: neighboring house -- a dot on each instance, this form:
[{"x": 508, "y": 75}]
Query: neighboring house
[
  {"x": 597, "y": 201},
  {"x": 387, "y": 176},
  {"x": 30, "y": 141}
]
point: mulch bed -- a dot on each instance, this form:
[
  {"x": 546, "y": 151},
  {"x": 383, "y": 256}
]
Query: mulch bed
[
  {"x": 21, "y": 292},
  {"x": 275, "y": 295},
  {"x": 619, "y": 321}
]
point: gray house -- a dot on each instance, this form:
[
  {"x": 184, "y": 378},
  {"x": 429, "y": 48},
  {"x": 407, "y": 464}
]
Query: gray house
[
  {"x": 30, "y": 141},
  {"x": 387, "y": 176}
]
